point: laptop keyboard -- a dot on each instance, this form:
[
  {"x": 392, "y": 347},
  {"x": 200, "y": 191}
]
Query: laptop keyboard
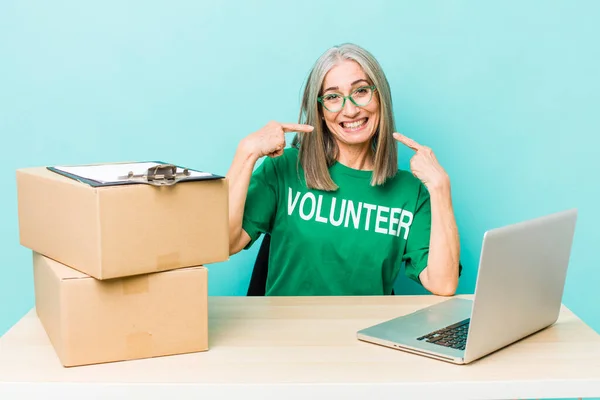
[{"x": 454, "y": 336}]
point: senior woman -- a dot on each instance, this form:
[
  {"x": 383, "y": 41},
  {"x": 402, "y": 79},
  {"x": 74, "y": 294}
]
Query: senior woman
[{"x": 343, "y": 218}]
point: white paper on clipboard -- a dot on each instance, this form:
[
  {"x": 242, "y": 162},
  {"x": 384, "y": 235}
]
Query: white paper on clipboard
[{"x": 109, "y": 173}]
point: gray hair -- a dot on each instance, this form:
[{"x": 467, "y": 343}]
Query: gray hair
[{"x": 318, "y": 149}]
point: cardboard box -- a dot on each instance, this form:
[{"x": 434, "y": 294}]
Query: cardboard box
[
  {"x": 90, "y": 321},
  {"x": 116, "y": 231}
]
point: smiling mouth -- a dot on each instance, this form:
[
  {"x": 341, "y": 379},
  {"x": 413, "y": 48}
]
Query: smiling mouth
[{"x": 355, "y": 125}]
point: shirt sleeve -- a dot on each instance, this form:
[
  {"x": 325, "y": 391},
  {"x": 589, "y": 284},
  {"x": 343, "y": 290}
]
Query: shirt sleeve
[
  {"x": 261, "y": 201},
  {"x": 416, "y": 254}
]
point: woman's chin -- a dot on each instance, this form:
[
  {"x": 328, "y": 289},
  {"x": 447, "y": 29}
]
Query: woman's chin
[{"x": 354, "y": 138}]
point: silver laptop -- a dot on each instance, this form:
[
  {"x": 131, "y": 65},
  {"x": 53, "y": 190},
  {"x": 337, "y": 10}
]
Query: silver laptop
[{"x": 519, "y": 290}]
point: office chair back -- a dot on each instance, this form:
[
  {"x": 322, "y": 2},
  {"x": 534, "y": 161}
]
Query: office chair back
[{"x": 258, "y": 280}]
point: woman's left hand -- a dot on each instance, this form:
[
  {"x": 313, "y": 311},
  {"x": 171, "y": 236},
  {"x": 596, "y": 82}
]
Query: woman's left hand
[{"x": 424, "y": 165}]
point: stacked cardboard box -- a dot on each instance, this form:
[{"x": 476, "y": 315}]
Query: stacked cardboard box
[{"x": 119, "y": 271}]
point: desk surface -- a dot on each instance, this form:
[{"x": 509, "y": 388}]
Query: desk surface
[{"x": 268, "y": 347}]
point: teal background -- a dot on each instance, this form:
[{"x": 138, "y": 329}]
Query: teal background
[{"x": 506, "y": 93}]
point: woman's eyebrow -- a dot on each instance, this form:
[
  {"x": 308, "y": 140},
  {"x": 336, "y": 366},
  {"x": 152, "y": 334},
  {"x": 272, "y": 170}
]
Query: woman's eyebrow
[{"x": 353, "y": 83}]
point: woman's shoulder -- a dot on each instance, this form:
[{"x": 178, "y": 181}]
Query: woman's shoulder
[
  {"x": 405, "y": 181},
  {"x": 286, "y": 161},
  {"x": 406, "y": 177},
  {"x": 290, "y": 153}
]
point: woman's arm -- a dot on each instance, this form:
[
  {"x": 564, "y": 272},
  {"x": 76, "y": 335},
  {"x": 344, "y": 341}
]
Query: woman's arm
[
  {"x": 441, "y": 274},
  {"x": 267, "y": 141},
  {"x": 239, "y": 178}
]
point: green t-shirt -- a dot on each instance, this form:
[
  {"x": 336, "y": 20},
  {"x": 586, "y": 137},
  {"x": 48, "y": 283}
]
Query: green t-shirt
[{"x": 349, "y": 242}]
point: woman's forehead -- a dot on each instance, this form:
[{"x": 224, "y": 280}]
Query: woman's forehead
[{"x": 344, "y": 75}]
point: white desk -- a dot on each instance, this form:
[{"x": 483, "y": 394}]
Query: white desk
[{"x": 304, "y": 348}]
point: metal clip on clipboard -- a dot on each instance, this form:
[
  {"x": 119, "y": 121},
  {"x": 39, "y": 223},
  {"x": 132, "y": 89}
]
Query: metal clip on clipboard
[{"x": 159, "y": 175}]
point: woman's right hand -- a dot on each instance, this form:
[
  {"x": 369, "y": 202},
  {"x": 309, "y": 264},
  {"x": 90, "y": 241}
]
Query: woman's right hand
[{"x": 270, "y": 139}]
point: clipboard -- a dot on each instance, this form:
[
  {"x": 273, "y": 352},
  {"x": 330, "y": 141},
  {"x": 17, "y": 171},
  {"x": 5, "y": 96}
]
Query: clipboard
[{"x": 155, "y": 173}]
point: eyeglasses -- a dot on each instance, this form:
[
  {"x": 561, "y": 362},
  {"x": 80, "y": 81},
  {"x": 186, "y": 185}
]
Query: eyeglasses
[{"x": 360, "y": 97}]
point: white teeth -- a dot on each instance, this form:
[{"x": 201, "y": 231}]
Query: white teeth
[{"x": 353, "y": 125}]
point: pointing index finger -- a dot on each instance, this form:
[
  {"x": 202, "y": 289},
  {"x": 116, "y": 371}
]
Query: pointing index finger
[
  {"x": 407, "y": 141},
  {"x": 297, "y": 128}
]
